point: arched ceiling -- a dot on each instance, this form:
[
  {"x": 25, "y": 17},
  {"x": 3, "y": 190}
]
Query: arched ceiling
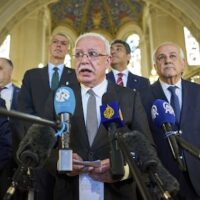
[{"x": 87, "y": 15}]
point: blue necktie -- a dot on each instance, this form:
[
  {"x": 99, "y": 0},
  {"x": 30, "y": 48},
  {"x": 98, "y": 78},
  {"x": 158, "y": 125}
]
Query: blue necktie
[
  {"x": 175, "y": 102},
  {"x": 55, "y": 79}
]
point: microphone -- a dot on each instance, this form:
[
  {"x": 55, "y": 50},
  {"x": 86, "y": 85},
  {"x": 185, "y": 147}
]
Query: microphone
[
  {"x": 111, "y": 118},
  {"x": 163, "y": 116},
  {"x": 32, "y": 153},
  {"x": 36, "y": 146},
  {"x": 146, "y": 156},
  {"x": 64, "y": 104}
]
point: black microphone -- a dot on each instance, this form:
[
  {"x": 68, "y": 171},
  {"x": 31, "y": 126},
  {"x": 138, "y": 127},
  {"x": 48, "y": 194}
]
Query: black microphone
[
  {"x": 111, "y": 118},
  {"x": 163, "y": 116},
  {"x": 146, "y": 156},
  {"x": 32, "y": 153},
  {"x": 64, "y": 104}
]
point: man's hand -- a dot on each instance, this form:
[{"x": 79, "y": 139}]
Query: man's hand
[
  {"x": 78, "y": 168},
  {"x": 102, "y": 173}
]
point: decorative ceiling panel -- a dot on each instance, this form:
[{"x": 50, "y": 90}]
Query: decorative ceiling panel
[{"x": 87, "y": 15}]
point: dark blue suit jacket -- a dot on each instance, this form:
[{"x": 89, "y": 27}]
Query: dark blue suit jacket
[
  {"x": 134, "y": 82},
  {"x": 5, "y": 139},
  {"x": 5, "y": 151},
  {"x": 190, "y": 126},
  {"x": 14, "y": 97}
]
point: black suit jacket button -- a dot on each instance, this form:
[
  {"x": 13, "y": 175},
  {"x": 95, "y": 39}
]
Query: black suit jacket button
[{"x": 91, "y": 155}]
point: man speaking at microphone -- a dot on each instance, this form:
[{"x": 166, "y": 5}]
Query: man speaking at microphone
[
  {"x": 184, "y": 97},
  {"x": 92, "y": 59}
]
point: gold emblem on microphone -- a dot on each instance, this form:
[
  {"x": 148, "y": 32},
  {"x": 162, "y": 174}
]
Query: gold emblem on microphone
[{"x": 109, "y": 112}]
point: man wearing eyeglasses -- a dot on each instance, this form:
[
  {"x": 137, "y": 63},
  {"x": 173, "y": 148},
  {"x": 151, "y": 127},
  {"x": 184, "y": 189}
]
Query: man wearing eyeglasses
[{"x": 92, "y": 59}]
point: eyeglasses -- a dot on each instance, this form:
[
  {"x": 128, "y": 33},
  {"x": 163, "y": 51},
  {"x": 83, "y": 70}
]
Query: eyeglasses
[{"x": 92, "y": 55}]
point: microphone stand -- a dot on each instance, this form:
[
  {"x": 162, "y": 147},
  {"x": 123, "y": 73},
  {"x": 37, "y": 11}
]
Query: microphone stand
[
  {"x": 22, "y": 178},
  {"x": 28, "y": 117},
  {"x": 134, "y": 170},
  {"x": 187, "y": 146},
  {"x": 65, "y": 153}
]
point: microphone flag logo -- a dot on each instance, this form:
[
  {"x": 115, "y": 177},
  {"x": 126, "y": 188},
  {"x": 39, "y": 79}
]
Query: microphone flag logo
[
  {"x": 168, "y": 108},
  {"x": 162, "y": 112},
  {"x": 64, "y": 101},
  {"x": 62, "y": 94}
]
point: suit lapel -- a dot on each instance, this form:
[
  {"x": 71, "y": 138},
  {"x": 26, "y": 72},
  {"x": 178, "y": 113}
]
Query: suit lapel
[
  {"x": 186, "y": 100},
  {"x": 68, "y": 77},
  {"x": 79, "y": 116},
  {"x": 14, "y": 97},
  {"x": 110, "y": 76},
  {"x": 158, "y": 91},
  {"x": 45, "y": 78}
]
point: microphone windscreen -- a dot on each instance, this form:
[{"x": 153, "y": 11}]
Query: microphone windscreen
[
  {"x": 148, "y": 160},
  {"x": 64, "y": 101},
  {"x": 162, "y": 112},
  {"x": 36, "y": 146},
  {"x": 110, "y": 112},
  {"x": 170, "y": 183},
  {"x": 137, "y": 142}
]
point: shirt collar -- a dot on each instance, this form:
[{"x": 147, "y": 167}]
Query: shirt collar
[
  {"x": 99, "y": 90},
  {"x": 124, "y": 72},
  {"x": 9, "y": 85},
  {"x": 165, "y": 85},
  {"x": 60, "y": 66}
]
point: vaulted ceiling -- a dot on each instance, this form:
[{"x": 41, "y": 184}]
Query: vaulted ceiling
[
  {"x": 108, "y": 15},
  {"x": 86, "y": 15}
]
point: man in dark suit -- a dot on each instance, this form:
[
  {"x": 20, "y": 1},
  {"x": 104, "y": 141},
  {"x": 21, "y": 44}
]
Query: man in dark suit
[
  {"x": 37, "y": 94},
  {"x": 36, "y": 90},
  {"x": 9, "y": 91},
  {"x": 169, "y": 63},
  {"x": 121, "y": 55},
  {"x": 92, "y": 58},
  {"x": 5, "y": 151}
]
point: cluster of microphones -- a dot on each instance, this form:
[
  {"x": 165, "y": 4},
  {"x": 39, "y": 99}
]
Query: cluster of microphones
[{"x": 36, "y": 146}]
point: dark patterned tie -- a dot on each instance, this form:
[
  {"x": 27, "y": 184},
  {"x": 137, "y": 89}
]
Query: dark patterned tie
[
  {"x": 119, "y": 79},
  {"x": 91, "y": 117},
  {"x": 174, "y": 101},
  {"x": 55, "y": 79}
]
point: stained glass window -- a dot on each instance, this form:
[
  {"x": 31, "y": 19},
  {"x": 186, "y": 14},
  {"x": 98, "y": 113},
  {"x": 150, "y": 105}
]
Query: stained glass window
[
  {"x": 135, "y": 63},
  {"x": 5, "y": 48},
  {"x": 192, "y": 48}
]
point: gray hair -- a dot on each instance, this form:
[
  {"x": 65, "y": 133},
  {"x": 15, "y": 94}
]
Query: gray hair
[
  {"x": 168, "y": 43},
  {"x": 98, "y": 36}
]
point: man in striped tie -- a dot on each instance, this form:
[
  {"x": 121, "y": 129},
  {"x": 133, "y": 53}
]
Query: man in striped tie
[{"x": 119, "y": 74}]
